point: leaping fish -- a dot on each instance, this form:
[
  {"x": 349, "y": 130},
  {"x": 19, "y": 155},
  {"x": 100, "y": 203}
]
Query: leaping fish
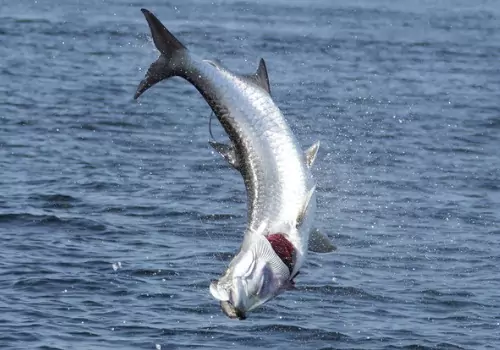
[{"x": 281, "y": 197}]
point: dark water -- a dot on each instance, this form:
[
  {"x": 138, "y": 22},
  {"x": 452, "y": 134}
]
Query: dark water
[{"x": 115, "y": 215}]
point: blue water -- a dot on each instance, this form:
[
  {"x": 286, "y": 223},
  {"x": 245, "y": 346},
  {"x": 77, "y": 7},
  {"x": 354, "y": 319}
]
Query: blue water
[{"x": 115, "y": 214}]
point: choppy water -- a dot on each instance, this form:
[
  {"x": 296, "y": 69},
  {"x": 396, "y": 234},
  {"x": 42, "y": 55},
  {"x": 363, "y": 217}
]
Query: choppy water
[{"x": 115, "y": 215}]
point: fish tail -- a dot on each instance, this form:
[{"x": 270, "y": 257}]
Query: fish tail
[{"x": 172, "y": 58}]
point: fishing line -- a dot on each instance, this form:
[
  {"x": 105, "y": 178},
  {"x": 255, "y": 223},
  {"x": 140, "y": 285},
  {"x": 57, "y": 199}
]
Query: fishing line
[{"x": 210, "y": 126}]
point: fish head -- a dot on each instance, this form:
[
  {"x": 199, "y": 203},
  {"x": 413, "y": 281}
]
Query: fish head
[{"x": 254, "y": 276}]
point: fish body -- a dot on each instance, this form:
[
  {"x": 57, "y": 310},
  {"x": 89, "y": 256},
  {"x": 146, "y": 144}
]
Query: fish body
[{"x": 280, "y": 187}]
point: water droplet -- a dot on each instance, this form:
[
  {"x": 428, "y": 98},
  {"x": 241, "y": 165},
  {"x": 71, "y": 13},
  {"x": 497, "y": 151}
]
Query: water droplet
[{"x": 117, "y": 266}]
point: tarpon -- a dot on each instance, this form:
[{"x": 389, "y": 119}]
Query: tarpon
[{"x": 280, "y": 189}]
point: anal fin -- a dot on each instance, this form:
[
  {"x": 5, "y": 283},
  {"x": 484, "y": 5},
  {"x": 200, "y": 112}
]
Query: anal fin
[
  {"x": 302, "y": 213},
  {"x": 320, "y": 243},
  {"x": 311, "y": 154}
]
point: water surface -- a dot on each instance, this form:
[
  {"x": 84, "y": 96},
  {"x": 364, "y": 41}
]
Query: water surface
[{"x": 115, "y": 214}]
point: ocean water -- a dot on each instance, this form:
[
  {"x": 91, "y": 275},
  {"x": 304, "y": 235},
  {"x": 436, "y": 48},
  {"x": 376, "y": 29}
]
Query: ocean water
[{"x": 115, "y": 214}]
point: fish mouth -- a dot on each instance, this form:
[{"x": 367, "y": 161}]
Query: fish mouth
[{"x": 231, "y": 311}]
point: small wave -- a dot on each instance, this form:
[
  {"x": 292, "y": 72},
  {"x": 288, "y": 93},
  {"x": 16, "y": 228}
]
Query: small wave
[
  {"x": 110, "y": 33},
  {"x": 84, "y": 334},
  {"x": 456, "y": 300},
  {"x": 17, "y": 335},
  {"x": 433, "y": 292},
  {"x": 161, "y": 296},
  {"x": 28, "y": 218},
  {"x": 100, "y": 185},
  {"x": 153, "y": 272},
  {"x": 120, "y": 124},
  {"x": 26, "y": 122},
  {"x": 50, "y": 220},
  {"x": 490, "y": 185},
  {"x": 455, "y": 304},
  {"x": 92, "y": 303},
  {"x": 46, "y": 284},
  {"x": 32, "y": 20},
  {"x": 493, "y": 123},
  {"x": 420, "y": 44},
  {"x": 55, "y": 200},
  {"x": 440, "y": 346},
  {"x": 345, "y": 291},
  {"x": 208, "y": 167},
  {"x": 216, "y": 217},
  {"x": 297, "y": 332},
  {"x": 132, "y": 210}
]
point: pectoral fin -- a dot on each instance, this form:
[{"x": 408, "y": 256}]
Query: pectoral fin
[
  {"x": 311, "y": 153},
  {"x": 320, "y": 243},
  {"x": 227, "y": 152}
]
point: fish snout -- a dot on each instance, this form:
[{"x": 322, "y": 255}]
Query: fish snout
[
  {"x": 232, "y": 307},
  {"x": 231, "y": 311}
]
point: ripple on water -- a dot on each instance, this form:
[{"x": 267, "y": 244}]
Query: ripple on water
[{"x": 115, "y": 215}]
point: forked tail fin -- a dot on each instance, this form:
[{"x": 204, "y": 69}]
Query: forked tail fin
[{"x": 172, "y": 55}]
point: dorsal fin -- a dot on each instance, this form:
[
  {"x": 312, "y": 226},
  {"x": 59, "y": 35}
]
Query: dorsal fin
[{"x": 260, "y": 77}]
